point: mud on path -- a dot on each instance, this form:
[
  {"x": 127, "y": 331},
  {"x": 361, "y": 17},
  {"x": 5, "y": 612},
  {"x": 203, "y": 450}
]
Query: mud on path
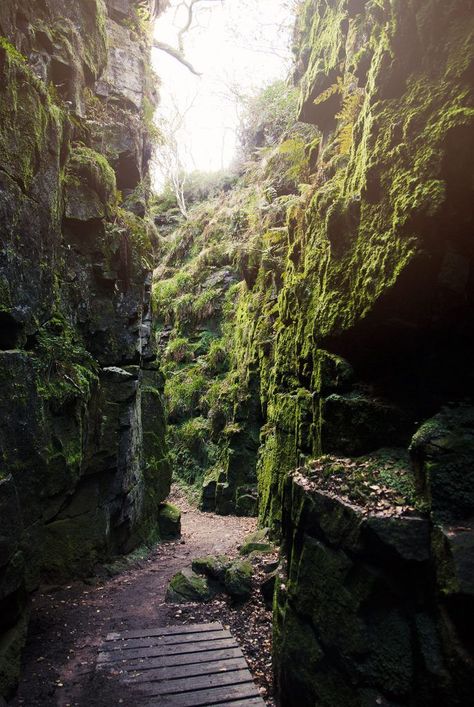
[{"x": 68, "y": 623}]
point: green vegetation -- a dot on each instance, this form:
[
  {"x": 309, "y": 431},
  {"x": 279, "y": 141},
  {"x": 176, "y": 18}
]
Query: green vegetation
[
  {"x": 202, "y": 293},
  {"x": 319, "y": 227},
  {"x": 93, "y": 170},
  {"x": 65, "y": 370},
  {"x": 32, "y": 124}
]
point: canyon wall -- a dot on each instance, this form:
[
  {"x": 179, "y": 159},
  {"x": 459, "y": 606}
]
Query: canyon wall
[
  {"x": 370, "y": 365},
  {"x": 83, "y": 460},
  {"x": 346, "y": 330}
]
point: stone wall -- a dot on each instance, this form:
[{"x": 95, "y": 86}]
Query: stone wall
[{"x": 83, "y": 460}]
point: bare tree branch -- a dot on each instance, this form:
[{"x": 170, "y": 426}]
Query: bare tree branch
[
  {"x": 187, "y": 26},
  {"x": 176, "y": 54}
]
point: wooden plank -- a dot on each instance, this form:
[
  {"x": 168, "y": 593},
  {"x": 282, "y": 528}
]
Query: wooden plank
[
  {"x": 186, "y": 671},
  {"x": 180, "y": 659},
  {"x": 164, "y": 631},
  {"x": 197, "y": 665},
  {"x": 195, "y": 684},
  {"x": 242, "y": 703},
  {"x": 122, "y": 645},
  {"x": 155, "y": 651},
  {"x": 228, "y": 694}
]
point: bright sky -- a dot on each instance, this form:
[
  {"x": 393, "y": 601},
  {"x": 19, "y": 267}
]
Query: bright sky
[{"x": 238, "y": 46}]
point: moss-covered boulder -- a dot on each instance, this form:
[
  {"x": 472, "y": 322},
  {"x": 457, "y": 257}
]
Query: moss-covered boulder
[
  {"x": 238, "y": 580},
  {"x": 258, "y": 542},
  {"x": 187, "y": 586},
  {"x": 212, "y": 566},
  {"x": 442, "y": 451},
  {"x": 169, "y": 521}
]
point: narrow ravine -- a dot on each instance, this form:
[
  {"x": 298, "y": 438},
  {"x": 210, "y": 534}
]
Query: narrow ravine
[
  {"x": 69, "y": 623},
  {"x": 289, "y": 338}
]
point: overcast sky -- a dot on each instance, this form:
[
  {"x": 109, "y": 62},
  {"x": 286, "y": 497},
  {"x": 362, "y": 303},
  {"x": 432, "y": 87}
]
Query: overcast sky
[{"x": 238, "y": 46}]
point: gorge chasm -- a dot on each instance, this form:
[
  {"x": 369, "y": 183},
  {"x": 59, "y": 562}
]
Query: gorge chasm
[{"x": 299, "y": 347}]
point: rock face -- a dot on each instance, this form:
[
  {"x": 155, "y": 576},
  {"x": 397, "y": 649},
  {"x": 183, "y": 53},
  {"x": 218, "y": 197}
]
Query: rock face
[
  {"x": 374, "y": 334},
  {"x": 83, "y": 460},
  {"x": 364, "y": 613}
]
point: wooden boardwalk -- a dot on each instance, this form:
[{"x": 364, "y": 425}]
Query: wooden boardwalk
[{"x": 183, "y": 666}]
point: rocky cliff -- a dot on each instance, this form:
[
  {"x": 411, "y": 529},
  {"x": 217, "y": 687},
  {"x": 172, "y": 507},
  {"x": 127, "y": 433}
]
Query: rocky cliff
[
  {"x": 374, "y": 335},
  {"x": 83, "y": 462},
  {"x": 349, "y": 341}
]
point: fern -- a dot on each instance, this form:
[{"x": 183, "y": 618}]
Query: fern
[
  {"x": 337, "y": 87},
  {"x": 347, "y": 116}
]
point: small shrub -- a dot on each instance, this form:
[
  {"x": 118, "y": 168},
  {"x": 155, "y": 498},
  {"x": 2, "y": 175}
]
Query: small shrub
[
  {"x": 179, "y": 350},
  {"x": 65, "y": 370},
  {"x": 183, "y": 393},
  {"x": 217, "y": 359}
]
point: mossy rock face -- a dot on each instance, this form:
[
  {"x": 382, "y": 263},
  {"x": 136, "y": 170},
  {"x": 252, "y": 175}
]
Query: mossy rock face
[
  {"x": 258, "y": 543},
  {"x": 348, "y": 590},
  {"x": 443, "y": 454},
  {"x": 169, "y": 521},
  {"x": 355, "y": 424},
  {"x": 84, "y": 459},
  {"x": 187, "y": 586},
  {"x": 238, "y": 580},
  {"x": 267, "y": 588}
]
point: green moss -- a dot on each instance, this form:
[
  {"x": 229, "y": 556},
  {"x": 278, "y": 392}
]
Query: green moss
[
  {"x": 187, "y": 586},
  {"x": 169, "y": 521},
  {"x": 179, "y": 350},
  {"x": 238, "y": 579},
  {"x": 64, "y": 369},
  {"x": 92, "y": 169},
  {"x": 139, "y": 233},
  {"x": 183, "y": 391},
  {"x": 257, "y": 542},
  {"x": 29, "y": 122},
  {"x": 380, "y": 481},
  {"x": 212, "y": 566},
  {"x": 12, "y": 51}
]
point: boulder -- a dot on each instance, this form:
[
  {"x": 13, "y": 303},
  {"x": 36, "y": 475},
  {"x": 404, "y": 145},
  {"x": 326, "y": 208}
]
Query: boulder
[
  {"x": 408, "y": 537},
  {"x": 247, "y": 505},
  {"x": 442, "y": 452},
  {"x": 267, "y": 588},
  {"x": 187, "y": 586},
  {"x": 257, "y": 542},
  {"x": 454, "y": 552},
  {"x": 213, "y": 567},
  {"x": 169, "y": 521},
  {"x": 238, "y": 580}
]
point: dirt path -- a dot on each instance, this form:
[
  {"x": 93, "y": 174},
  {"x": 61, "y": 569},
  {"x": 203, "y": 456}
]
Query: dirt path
[{"x": 69, "y": 623}]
